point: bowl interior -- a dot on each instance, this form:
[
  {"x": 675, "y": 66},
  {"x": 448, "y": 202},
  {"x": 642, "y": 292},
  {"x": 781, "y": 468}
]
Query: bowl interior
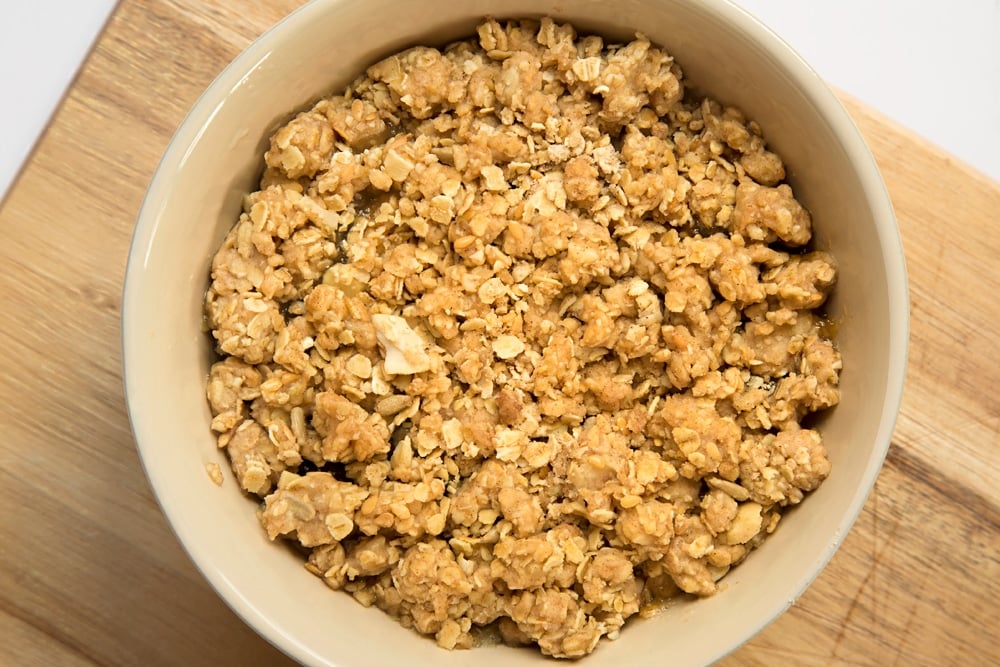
[{"x": 195, "y": 197}]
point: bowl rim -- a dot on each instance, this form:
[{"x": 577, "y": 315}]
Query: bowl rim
[{"x": 242, "y": 67}]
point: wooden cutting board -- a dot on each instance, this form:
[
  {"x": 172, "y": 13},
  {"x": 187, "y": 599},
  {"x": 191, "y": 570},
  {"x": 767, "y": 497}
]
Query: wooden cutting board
[{"x": 90, "y": 573}]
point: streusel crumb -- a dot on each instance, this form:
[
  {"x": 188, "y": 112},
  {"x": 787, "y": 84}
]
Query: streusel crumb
[{"x": 517, "y": 337}]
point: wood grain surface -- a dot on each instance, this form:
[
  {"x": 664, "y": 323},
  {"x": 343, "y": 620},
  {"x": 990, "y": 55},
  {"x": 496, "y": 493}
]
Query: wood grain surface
[{"x": 90, "y": 573}]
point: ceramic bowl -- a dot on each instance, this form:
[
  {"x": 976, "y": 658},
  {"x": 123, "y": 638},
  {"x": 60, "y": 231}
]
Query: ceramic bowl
[{"x": 213, "y": 160}]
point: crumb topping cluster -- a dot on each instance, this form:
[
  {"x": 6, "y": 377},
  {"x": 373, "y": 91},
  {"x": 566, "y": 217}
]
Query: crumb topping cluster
[{"x": 518, "y": 337}]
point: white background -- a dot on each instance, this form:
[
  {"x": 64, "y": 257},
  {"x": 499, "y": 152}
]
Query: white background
[{"x": 933, "y": 67}]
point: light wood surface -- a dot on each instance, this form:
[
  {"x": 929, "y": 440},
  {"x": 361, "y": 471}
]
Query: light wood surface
[{"x": 90, "y": 573}]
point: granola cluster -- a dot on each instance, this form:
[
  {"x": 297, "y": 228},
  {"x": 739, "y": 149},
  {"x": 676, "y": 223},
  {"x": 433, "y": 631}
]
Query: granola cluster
[{"x": 517, "y": 337}]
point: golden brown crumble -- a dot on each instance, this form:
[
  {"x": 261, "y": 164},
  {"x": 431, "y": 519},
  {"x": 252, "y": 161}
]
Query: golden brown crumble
[
  {"x": 214, "y": 473},
  {"x": 517, "y": 335}
]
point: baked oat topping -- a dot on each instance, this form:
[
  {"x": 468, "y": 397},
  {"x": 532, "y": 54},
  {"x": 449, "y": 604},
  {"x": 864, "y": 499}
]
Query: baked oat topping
[
  {"x": 518, "y": 336},
  {"x": 214, "y": 473}
]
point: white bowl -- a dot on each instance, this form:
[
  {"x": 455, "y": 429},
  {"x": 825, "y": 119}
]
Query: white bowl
[{"x": 213, "y": 160}]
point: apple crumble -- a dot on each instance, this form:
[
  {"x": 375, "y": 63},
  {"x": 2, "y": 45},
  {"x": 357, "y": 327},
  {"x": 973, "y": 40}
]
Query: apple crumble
[{"x": 517, "y": 338}]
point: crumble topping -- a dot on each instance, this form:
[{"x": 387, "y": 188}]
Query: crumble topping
[{"x": 519, "y": 335}]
